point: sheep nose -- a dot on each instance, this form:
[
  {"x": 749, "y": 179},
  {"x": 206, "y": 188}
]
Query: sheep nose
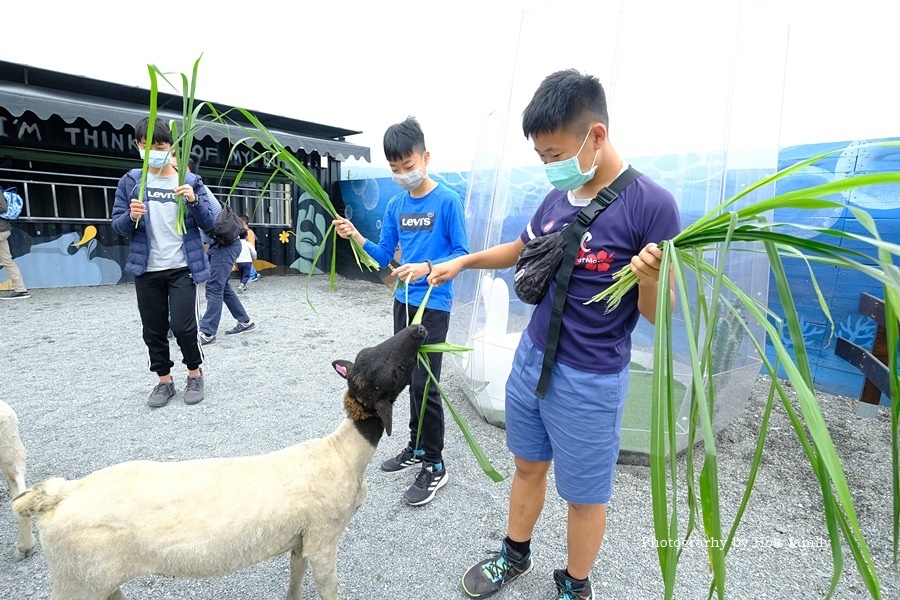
[{"x": 418, "y": 331}]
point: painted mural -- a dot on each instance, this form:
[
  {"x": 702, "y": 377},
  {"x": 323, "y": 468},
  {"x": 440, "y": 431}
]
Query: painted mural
[
  {"x": 71, "y": 259},
  {"x": 691, "y": 177},
  {"x": 312, "y": 222}
]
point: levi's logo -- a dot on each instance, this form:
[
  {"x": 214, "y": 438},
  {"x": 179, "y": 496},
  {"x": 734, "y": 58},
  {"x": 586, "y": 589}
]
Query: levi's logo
[
  {"x": 160, "y": 195},
  {"x": 417, "y": 221}
]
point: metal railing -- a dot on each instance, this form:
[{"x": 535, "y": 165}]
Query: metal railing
[{"x": 52, "y": 196}]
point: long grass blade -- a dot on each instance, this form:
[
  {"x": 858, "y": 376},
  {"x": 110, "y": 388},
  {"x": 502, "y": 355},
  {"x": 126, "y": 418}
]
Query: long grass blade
[
  {"x": 790, "y": 170},
  {"x": 154, "y": 94},
  {"x": 315, "y": 261},
  {"x": 420, "y": 312},
  {"x": 826, "y": 455},
  {"x": 802, "y": 390},
  {"x": 665, "y": 530},
  {"x": 709, "y": 481},
  {"x": 482, "y": 459}
]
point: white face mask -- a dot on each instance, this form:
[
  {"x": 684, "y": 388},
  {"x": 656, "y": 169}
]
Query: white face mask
[
  {"x": 158, "y": 158},
  {"x": 409, "y": 181}
]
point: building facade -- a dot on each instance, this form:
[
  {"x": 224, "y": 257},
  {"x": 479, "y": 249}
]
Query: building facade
[{"x": 65, "y": 141}]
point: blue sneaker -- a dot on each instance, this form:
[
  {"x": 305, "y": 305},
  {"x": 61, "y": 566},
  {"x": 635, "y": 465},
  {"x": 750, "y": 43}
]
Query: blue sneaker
[
  {"x": 241, "y": 328},
  {"x": 491, "y": 574}
]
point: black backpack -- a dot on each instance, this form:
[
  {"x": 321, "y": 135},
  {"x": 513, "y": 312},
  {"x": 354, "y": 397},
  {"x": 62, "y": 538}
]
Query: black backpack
[{"x": 228, "y": 226}]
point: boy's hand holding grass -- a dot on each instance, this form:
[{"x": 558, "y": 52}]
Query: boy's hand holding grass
[
  {"x": 346, "y": 230},
  {"x": 645, "y": 265},
  {"x": 138, "y": 210},
  {"x": 186, "y": 192},
  {"x": 411, "y": 271}
]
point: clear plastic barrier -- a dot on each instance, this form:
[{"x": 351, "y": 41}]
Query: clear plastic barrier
[{"x": 694, "y": 92}]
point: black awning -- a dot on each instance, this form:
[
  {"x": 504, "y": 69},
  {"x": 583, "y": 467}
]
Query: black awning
[{"x": 44, "y": 102}]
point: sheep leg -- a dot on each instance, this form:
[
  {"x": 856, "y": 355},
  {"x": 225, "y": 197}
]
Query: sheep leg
[
  {"x": 25, "y": 542},
  {"x": 118, "y": 595},
  {"x": 298, "y": 570},
  {"x": 324, "y": 570}
]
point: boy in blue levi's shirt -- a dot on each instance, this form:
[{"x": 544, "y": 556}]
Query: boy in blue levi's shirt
[
  {"x": 577, "y": 424},
  {"x": 428, "y": 221}
]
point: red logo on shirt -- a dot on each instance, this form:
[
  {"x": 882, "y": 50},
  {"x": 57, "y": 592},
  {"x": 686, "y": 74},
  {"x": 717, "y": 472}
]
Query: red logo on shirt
[
  {"x": 548, "y": 226},
  {"x": 594, "y": 262}
]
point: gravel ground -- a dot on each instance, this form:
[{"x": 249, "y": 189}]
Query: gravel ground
[{"x": 77, "y": 378}]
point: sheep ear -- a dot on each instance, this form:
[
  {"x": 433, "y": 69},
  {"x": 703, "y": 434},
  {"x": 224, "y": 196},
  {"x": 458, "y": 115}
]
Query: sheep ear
[
  {"x": 342, "y": 367},
  {"x": 385, "y": 411}
]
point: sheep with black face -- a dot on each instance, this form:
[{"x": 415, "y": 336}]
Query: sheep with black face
[{"x": 188, "y": 519}]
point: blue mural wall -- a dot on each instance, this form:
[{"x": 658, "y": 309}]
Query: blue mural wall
[
  {"x": 691, "y": 177},
  {"x": 70, "y": 254}
]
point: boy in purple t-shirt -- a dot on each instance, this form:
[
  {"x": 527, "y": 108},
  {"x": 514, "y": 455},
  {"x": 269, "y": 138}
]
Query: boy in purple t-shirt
[{"x": 577, "y": 424}]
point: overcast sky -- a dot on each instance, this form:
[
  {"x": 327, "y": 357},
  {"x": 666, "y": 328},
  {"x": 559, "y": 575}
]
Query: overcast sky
[{"x": 366, "y": 65}]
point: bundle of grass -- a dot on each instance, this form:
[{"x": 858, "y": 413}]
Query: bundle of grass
[
  {"x": 265, "y": 148},
  {"x": 716, "y": 234},
  {"x": 269, "y": 151}
]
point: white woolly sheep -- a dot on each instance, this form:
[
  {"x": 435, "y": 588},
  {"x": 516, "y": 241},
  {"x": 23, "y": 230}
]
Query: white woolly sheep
[
  {"x": 12, "y": 464},
  {"x": 188, "y": 519}
]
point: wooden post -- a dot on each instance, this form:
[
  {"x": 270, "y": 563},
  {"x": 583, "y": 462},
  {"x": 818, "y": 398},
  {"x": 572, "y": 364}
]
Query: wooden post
[{"x": 873, "y": 365}]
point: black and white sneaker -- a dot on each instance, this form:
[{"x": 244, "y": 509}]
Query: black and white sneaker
[
  {"x": 16, "y": 296},
  {"x": 407, "y": 459},
  {"x": 428, "y": 482}
]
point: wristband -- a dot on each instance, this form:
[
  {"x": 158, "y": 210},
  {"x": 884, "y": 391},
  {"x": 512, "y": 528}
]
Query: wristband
[{"x": 430, "y": 266}]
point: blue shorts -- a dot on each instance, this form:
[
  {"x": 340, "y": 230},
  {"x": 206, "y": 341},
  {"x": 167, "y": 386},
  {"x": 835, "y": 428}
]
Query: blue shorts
[{"x": 577, "y": 425}]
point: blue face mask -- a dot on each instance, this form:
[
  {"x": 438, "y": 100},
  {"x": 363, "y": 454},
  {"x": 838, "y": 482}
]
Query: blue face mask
[
  {"x": 566, "y": 175},
  {"x": 158, "y": 158}
]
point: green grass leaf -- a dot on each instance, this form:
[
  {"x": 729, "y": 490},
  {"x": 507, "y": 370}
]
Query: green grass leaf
[{"x": 482, "y": 459}]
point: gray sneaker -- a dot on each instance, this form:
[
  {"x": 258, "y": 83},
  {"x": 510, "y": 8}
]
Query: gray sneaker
[
  {"x": 488, "y": 576},
  {"x": 193, "y": 393},
  {"x": 161, "y": 394},
  {"x": 568, "y": 589}
]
